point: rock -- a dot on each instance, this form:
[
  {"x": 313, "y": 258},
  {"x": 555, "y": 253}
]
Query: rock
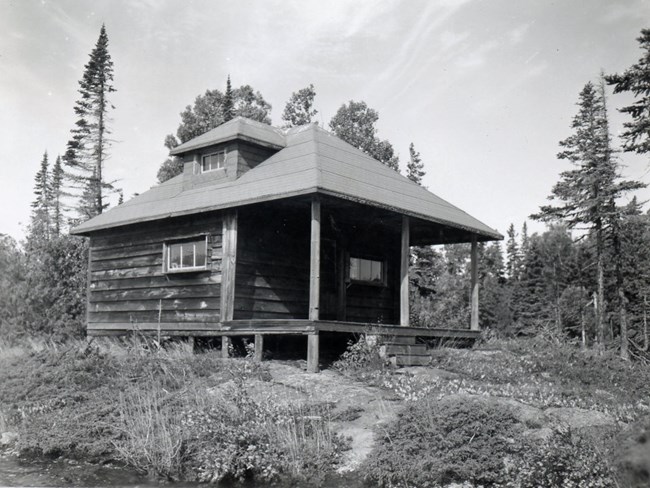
[
  {"x": 8, "y": 438},
  {"x": 581, "y": 418}
]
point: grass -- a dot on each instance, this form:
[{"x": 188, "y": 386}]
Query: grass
[{"x": 170, "y": 413}]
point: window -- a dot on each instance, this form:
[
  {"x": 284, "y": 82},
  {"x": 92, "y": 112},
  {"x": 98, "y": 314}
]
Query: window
[
  {"x": 186, "y": 255},
  {"x": 214, "y": 161},
  {"x": 367, "y": 270}
]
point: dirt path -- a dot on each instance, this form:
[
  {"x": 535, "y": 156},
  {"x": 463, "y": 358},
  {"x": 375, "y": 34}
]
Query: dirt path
[{"x": 359, "y": 410}]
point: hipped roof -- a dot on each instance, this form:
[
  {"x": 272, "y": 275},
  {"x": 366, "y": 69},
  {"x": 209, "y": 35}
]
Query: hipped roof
[{"x": 309, "y": 160}]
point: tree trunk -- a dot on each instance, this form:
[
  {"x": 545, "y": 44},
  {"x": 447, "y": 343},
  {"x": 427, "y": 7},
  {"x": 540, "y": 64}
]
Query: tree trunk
[
  {"x": 600, "y": 324},
  {"x": 645, "y": 323},
  {"x": 625, "y": 354}
]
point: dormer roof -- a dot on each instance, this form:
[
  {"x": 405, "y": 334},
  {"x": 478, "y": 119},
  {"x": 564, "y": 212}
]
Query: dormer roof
[
  {"x": 309, "y": 160},
  {"x": 238, "y": 128}
]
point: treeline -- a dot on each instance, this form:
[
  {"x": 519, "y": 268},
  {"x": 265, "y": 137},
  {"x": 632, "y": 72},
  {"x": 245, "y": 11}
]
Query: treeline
[{"x": 587, "y": 275}]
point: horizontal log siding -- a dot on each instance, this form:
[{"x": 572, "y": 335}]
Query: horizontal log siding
[
  {"x": 128, "y": 285},
  {"x": 272, "y": 273}
]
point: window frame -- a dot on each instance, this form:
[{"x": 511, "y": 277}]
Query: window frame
[
  {"x": 208, "y": 155},
  {"x": 382, "y": 282},
  {"x": 167, "y": 246}
]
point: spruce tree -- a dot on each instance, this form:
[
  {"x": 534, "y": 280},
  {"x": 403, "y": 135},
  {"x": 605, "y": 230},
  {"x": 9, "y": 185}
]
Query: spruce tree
[
  {"x": 415, "y": 166},
  {"x": 87, "y": 151},
  {"x": 636, "y": 80},
  {"x": 56, "y": 197},
  {"x": 300, "y": 110},
  {"x": 588, "y": 191},
  {"x": 228, "y": 103},
  {"x": 512, "y": 255},
  {"x": 40, "y": 219}
]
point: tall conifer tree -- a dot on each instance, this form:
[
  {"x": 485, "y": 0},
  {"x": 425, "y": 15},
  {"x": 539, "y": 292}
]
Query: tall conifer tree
[
  {"x": 228, "y": 103},
  {"x": 56, "y": 197},
  {"x": 415, "y": 166},
  {"x": 40, "y": 220},
  {"x": 87, "y": 151},
  {"x": 588, "y": 191},
  {"x": 636, "y": 80}
]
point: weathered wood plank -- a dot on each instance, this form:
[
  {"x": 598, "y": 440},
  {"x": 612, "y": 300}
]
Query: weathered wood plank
[
  {"x": 180, "y": 304},
  {"x": 404, "y": 273},
  {"x": 127, "y": 283},
  {"x": 314, "y": 261},
  {"x": 127, "y": 262},
  {"x": 474, "y": 272},
  {"x": 156, "y": 293},
  {"x": 229, "y": 262},
  {"x": 152, "y": 316}
]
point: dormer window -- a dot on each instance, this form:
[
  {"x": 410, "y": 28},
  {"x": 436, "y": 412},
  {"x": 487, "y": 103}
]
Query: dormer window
[{"x": 214, "y": 161}]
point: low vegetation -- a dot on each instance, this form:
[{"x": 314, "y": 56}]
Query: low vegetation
[
  {"x": 169, "y": 413},
  {"x": 516, "y": 414}
]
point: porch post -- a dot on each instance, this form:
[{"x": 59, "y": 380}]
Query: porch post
[
  {"x": 404, "y": 274},
  {"x": 228, "y": 263},
  {"x": 474, "y": 266},
  {"x": 312, "y": 352},
  {"x": 259, "y": 347},
  {"x": 314, "y": 261}
]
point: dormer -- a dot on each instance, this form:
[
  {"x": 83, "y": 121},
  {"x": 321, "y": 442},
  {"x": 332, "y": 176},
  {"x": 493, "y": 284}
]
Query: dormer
[{"x": 227, "y": 151}]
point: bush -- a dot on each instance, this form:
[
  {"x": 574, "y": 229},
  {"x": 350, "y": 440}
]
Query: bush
[
  {"x": 564, "y": 460},
  {"x": 361, "y": 358},
  {"x": 439, "y": 442}
]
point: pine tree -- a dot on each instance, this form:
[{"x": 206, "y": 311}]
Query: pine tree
[
  {"x": 588, "y": 191},
  {"x": 40, "y": 219},
  {"x": 512, "y": 255},
  {"x": 415, "y": 167},
  {"x": 87, "y": 151},
  {"x": 636, "y": 80},
  {"x": 300, "y": 110},
  {"x": 228, "y": 103},
  {"x": 56, "y": 197},
  {"x": 355, "y": 124},
  {"x": 525, "y": 241}
]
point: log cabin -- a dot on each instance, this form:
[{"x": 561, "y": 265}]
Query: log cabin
[{"x": 270, "y": 231}]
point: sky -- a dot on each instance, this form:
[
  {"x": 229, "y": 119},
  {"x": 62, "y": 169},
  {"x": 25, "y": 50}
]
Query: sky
[{"x": 485, "y": 90}]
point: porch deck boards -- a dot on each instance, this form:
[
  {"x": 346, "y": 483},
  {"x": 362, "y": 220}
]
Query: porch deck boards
[{"x": 275, "y": 327}]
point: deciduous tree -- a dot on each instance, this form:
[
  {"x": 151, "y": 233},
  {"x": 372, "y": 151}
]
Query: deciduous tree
[
  {"x": 300, "y": 110},
  {"x": 355, "y": 124}
]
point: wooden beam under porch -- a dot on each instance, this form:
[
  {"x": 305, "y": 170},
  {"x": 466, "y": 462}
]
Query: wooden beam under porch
[{"x": 275, "y": 327}]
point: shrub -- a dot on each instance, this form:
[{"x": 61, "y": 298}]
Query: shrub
[
  {"x": 361, "y": 358},
  {"x": 564, "y": 460},
  {"x": 439, "y": 442}
]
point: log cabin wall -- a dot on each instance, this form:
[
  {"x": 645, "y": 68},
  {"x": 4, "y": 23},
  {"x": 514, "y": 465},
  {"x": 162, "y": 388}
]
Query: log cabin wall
[
  {"x": 272, "y": 273},
  {"x": 129, "y": 289}
]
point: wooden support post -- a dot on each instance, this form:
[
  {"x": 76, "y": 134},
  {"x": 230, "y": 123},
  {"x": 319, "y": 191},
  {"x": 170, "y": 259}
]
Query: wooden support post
[
  {"x": 404, "y": 274},
  {"x": 228, "y": 265},
  {"x": 259, "y": 347},
  {"x": 225, "y": 347},
  {"x": 314, "y": 261},
  {"x": 342, "y": 286},
  {"x": 312, "y": 353},
  {"x": 474, "y": 271}
]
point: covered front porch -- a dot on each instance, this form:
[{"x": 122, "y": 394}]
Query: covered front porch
[{"x": 335, "y": 301}]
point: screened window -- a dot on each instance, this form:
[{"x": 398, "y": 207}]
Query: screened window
[
  {"x": 214, "y": 161},
  {"x": 187, "y": 255},
  {"x": 367, "y": 270}
]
